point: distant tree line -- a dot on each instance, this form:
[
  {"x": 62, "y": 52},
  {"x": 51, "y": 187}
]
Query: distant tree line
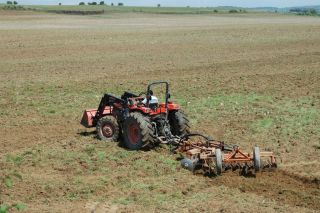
[
  {"x": 303, "y": 11},
  {"x": 237, "y": 11},
  {"x": 100, "y": 3},
  {"x": 12, "y": 2},
  {"x": 12, "y": 5}
]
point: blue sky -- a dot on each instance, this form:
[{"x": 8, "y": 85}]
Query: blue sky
[{"x": 196, "y": 3}]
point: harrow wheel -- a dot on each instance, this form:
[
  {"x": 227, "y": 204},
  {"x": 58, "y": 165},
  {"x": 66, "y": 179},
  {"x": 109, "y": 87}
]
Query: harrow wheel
[
  {"x": 256, "y": 159},
  {"x": 108, "y": 128},
  {"x": 137, "y": 131},
  {"x": 218, "y": 161}
]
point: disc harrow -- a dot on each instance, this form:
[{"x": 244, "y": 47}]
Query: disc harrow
[{"x": 215, "y": 157}]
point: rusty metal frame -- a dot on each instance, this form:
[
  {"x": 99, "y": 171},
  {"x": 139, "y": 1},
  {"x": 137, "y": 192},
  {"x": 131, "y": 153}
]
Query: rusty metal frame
[{"x": 233, "y": 158}]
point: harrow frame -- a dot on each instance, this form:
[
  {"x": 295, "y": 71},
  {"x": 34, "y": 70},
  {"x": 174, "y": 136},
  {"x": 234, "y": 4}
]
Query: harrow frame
[{"x": 216, "y": 157}]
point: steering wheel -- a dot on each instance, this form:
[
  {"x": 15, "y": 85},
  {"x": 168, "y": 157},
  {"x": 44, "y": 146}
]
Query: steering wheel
[{"x": 139, "y": 101}]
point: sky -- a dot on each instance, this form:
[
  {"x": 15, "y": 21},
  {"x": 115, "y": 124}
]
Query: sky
[{"x": 183, "y": 3}]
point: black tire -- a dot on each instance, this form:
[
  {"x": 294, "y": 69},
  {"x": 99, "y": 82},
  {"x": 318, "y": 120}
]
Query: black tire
[
  {"x": 108, "y": 128},
  {"x": 179, "y": 123},
  {"x": 256, "y": 159},
  {"x": 218, "y": 161},
  {"x": 137, "y": 131}
]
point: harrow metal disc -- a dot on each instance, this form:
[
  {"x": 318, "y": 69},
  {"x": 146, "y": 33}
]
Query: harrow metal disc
[
  {"x": 218, "y": 161},
  {"x": 256, "y": 159},
  {"x": 188, "y": 164}
]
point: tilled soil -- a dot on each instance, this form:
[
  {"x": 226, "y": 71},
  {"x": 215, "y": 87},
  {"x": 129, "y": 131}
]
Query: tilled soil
[
  {"x": 249, "y": 80},
  {"x": 276, "y": 185}
]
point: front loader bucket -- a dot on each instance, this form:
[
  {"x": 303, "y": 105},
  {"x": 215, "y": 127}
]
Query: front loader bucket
[
  {"x": 87, "y": 117},
  {"x": 89, "y": 114}
]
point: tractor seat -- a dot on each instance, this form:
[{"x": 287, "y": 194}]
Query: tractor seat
[{"x": 153, "y": 106}]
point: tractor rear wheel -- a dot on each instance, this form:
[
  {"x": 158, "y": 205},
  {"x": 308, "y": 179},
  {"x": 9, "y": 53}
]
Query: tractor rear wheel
[
  {"x": 108, "y": 128},
  {"x": 179, "y": 123},
  {"x": 137, "y": 131}
]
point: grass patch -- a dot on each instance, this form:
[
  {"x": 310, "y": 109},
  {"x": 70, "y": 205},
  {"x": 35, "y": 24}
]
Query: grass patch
[
  {"x": 261, "y": 125},
  {"x": 123, "y": 201},
  {"x": 18, "y": 159},
  {"x": 90, "y": 150},
  {"x": 294, "y": 118},
  {"x": 118, "y": 156},
  {"x": 172, "y": 164},
  {"x": 137, "y": 185},
  {"x": 81, "y": 193},
  {"x": 101, "y": 156},
  {"x": 15, "y": 159},
  {"x": 298, "y": 120},
  {"x": 211, "y": 108}
]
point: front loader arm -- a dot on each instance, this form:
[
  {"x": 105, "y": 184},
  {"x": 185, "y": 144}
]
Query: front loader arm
[{"x": 108, "y": 100}]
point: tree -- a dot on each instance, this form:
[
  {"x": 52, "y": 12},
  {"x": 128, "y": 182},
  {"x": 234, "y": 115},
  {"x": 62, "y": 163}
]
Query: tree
[
  {"x": 82, "y": 3},
  {"x": 9, "y": 2},
  {"x": 313, "y": 12},
  {"x": 60, "y": 4},
  {"x": 159, "y": 5},
  {"x": 120, "y": 4},
  {"x": 233, "y": 11},
  {"x": 101, "y": 3},
  {"x": 15, "y": 2},
  {"x": 111, "y": 3},
  {"x": 94, "y": 3}
]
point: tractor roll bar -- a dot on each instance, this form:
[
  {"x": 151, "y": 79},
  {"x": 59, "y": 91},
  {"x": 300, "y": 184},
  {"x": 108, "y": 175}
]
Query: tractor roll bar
[{"x": 167, "y": 96}]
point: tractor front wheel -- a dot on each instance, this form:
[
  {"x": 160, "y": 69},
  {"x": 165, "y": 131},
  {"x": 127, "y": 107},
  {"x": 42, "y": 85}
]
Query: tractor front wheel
[
  {"x": 108, "y": 128},
  {"x": 137, "y": 131}
]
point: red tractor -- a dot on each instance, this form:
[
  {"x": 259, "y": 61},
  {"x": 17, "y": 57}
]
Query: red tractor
[{"x": 138, "y": 119}]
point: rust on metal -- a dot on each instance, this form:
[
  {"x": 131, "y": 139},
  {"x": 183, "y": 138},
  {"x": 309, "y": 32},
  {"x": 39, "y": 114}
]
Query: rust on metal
[{"x": 202, "y": 155}]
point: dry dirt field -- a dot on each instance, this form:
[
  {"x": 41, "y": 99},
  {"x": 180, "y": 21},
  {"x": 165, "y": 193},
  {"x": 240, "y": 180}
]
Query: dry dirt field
[{"x": 246, "y": 79}]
